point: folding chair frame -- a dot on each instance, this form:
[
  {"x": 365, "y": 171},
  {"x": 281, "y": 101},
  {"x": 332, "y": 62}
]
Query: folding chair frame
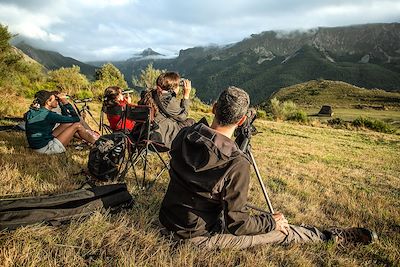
[{"x": 143, "y": 145}]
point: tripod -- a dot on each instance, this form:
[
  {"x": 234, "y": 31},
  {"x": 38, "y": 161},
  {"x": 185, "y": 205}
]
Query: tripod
[
  {"x": 84, "y": 111},
  {"x": 259, "y": 178},
  {"x": 243, "y": 135}
]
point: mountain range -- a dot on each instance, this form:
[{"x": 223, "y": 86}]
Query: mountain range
[
  {"x": 364, "y": 55},
  {"x": 53, "y": 60}
]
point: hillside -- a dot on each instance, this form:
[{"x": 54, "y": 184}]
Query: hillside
[
  {"x": 364, "y": 55},
  {"x": 367, "y": 56},
  {"x": 54, "y": 60},
  {"x": 316, "y": 93},
  {"x": 316, "y": 176}
]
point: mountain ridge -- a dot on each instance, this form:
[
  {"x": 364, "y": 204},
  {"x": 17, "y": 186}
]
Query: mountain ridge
[
  {"x": 52, "y": 60},
  {"x": 366, "y": 55}
]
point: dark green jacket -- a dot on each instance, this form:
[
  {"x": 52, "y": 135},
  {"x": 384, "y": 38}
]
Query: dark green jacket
[
  {"x": 41, "y": 122},
  {"x": 170, "y": 126},
  {"x": 209, "y": 180}
]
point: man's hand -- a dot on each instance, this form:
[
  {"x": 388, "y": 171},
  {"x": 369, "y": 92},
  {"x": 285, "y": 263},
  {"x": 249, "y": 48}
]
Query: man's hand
[
  {"x": 187, "y": 87},
  {"x": 281, "y": 224}
]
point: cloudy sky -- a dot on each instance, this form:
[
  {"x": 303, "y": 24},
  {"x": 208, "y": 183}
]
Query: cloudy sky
[{"x": 117, "y": 29}]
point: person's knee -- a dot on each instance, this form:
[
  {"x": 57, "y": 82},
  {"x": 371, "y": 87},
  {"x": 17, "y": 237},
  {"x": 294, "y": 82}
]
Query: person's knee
[{"x": 77, "y": 126}]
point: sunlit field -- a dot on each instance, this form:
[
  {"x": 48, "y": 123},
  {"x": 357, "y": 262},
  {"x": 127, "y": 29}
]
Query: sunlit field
[{"x": 315, "y": 175}]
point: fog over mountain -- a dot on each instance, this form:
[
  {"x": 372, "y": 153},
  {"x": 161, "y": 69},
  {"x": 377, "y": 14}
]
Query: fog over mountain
[{"x": 94, "y": 30}]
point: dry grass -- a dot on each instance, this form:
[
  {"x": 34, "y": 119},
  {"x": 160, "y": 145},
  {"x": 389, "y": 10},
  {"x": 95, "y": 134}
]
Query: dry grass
[{"x": 317, "y": 176}]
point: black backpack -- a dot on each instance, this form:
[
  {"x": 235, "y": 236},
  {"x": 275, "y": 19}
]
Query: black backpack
[
  {"x": 107, "y": 156},
  {"x": 61, "y": 208}
]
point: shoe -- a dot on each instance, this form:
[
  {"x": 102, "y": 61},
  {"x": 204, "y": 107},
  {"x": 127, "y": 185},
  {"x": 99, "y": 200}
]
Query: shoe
[{"x": 353, "y": 235}]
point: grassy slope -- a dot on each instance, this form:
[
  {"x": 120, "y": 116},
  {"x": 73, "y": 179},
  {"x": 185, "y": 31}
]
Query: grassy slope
[
  {"x": 318, "y": 176},
  {"x": 338, "y": 94}
]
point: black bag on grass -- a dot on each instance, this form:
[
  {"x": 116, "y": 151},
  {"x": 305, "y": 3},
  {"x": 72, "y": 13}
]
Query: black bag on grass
[
  {"x": 107, "y": 156},
  {"x": 57, "y": 209}
]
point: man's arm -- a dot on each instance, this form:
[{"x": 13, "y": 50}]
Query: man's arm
[{"x": 237, "y": 218}]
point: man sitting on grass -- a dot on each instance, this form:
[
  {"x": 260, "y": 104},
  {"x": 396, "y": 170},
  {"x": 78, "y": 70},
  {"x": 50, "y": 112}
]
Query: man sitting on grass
[{"x": 205, "y": 203}]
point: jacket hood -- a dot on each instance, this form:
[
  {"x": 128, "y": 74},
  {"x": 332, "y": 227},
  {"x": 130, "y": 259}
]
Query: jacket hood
[
  {"x": 204, "y": 149},
  {"x": 34, "y": 115}
]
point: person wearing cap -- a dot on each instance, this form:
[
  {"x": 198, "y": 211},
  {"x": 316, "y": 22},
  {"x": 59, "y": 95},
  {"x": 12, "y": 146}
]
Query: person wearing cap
[{"x": 42, "y": 134}]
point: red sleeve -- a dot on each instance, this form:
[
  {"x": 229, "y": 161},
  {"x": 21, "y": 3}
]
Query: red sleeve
[{"x": 115, "y": 120}]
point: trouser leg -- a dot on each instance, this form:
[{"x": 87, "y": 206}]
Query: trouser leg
[{"x": 297, "y": 234}]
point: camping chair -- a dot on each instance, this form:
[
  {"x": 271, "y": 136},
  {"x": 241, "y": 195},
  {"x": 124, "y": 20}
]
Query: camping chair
[
  {"x": 145, "y": 143},
  {"x": 116, "y": 110}
]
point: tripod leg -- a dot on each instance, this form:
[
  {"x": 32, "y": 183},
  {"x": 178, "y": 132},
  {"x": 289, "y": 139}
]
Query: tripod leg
[
  {"x": 253, "y": 161},
  {"x": 91, "y": 116}
]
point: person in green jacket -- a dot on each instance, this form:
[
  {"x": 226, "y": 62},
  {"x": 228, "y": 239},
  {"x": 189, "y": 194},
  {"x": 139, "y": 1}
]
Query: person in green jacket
[{"x": 41, "y": 131}]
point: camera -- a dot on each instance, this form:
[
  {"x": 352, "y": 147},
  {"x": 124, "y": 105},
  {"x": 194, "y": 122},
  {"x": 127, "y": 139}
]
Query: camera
[
  {"x": 244, "y": 132},
  {"x": 181, "y": 82}
]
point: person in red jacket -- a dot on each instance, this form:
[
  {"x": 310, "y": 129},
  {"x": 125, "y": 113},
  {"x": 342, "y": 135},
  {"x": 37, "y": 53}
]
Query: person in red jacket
[{"x": 114, "y": 104}]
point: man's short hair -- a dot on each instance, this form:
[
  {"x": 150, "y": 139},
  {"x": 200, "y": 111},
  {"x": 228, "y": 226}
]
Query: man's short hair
[{"x": 231, "y": 105}]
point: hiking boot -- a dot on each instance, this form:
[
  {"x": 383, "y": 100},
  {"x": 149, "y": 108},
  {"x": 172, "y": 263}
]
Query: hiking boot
[{"x": 353, "y": 235}]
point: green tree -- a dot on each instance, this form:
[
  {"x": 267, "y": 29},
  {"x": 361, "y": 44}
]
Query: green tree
[
  {"x": 108, "y": 75},
  {"x": 8, "y": 59},
  {"x": 147, "y": 77},
  {"x": 18, "y": 72},
  {"x": 69, "y": 80}
]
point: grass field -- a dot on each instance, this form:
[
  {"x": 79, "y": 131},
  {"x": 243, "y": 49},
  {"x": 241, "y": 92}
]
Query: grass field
[
  {"x": 316, "y": 176},
  {"x": 392, "y": 117}
]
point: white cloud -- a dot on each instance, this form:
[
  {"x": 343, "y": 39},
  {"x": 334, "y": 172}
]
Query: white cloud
[
  {"x": 105, "y": 3},
  {"x": 351, "y": 13},
  {"x": 30, "y": 24},
  {"x": 92, "y": 29}
]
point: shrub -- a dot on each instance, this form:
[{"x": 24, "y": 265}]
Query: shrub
[
  {"x": 336, "y": 121},
  {"x": 82, "y": 94},
  {"x": 198, "y": 105},
  {"x": 299, "y": 116},
  {"x": 287, "y": 110},
  {"x": 68, "y": 80},
  {"x": 372, "y": 124},
  {"x": 12, "y": 105},
  {"x": 261, "y": 114}
]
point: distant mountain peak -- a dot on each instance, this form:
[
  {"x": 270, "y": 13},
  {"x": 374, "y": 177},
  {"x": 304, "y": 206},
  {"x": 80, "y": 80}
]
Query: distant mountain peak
[
  {"x": 150, "y": 52},
  {"x": 147, "y": 54}
]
